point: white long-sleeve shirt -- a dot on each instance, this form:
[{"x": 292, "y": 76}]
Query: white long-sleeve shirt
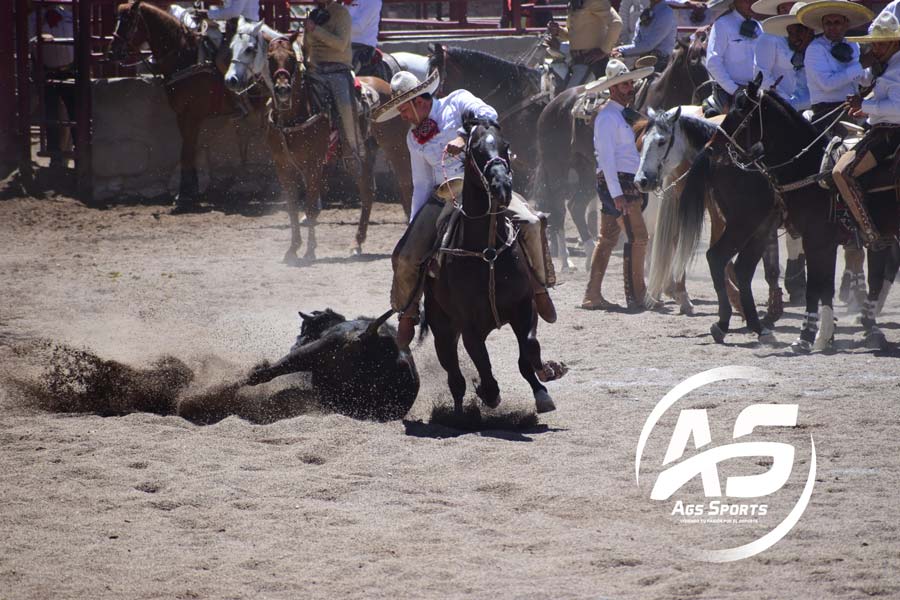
[
  {"x": 430, "y": 167},
  {"x": 829, "y": 79},
  {"x": 729, "y": 55},
  {"x": 231, "y": 9},
  {"x": 365, "y": 15},
  {"x": 772, "y": 58},
  {"x": 884, "y": 107},
  {"x": 614, "y": 146}
]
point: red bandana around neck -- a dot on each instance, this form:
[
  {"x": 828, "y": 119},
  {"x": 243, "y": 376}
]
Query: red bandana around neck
[{"x": 425, "y": 130}]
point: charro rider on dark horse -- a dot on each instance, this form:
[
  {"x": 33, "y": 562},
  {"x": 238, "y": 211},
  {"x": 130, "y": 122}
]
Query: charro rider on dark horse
[{"x": 435, "y": 144}]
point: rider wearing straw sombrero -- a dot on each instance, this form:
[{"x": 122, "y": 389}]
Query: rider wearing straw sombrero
[
  {"x": 833, "y": 69},
  {"x": 435, "y": 143},
  {"x": 779, "y": 52},
  {"x": 617, "y": 162},
  {"x": 883, "y": 112}
]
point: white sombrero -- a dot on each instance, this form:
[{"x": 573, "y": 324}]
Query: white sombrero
[
  {"x": 768, "y": 7},
  {"x": 812, "y": 14},
  {"x": 778, "y": 25},
  {"x": 616, "y": 73},
  {"x": 404, "y": 87},
  {"x": 885, "y": 28}
]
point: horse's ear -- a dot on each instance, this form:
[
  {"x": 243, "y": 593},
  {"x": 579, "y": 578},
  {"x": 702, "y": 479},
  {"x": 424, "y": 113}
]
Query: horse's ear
[
  {"x": 675, "y": 115},
  {"x": 757, "y": 81},
  {"x": 651, "y": 113},
  {"x": 293, "y": 37},
  {"x": 304, "y": 316},
  {"x": 257, "y": 27},
  {"x": 231, "y": 27},
  {"x": 469, "y": 120}
]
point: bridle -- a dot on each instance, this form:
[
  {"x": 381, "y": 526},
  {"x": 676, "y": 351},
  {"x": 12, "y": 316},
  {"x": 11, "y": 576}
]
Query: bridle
[
  {"x": 490, "y": 252},
  {"x": 256, "y": 77}
]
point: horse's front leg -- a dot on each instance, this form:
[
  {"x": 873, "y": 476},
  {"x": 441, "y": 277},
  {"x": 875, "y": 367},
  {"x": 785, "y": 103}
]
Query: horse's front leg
[
  {"x": 487, "y": 389},
  {"x": 189, "y": 185},
  {"x": 718, "y": 256},
  {"x": 524, "y": 324},
  {"x": 745, "y": 266},
  {"x": 314, "y": 176},
  {"x": 288, "y": 178}
]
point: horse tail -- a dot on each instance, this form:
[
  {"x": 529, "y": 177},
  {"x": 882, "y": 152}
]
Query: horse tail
[
  {"x": 690, "y": 209},
  {"x": 665, "y": 238}
]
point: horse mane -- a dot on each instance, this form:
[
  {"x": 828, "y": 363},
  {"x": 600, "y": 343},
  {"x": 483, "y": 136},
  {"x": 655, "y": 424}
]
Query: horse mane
[
  {"x": 698, "y": 131},
  {"x": 795, "y": 117},
  {"x": 506, "y": 72},
  {"x": 168, "y": 20},
  {"x": 470, "y": 121}
]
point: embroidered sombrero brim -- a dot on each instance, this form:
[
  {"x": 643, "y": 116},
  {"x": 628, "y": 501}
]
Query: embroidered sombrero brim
[
  {"x": 388, "y": 110},
  {"x": 768, "y": 7},
  {"x": 778, "y": 25},
  {"x": 604, "y": 83},
  {"x": 811, "y": 14},
  {"x": 646, "y": 61}
]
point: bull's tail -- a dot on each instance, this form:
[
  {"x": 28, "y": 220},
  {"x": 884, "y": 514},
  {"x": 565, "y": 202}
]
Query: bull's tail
[{"x": 690, "y": 212}]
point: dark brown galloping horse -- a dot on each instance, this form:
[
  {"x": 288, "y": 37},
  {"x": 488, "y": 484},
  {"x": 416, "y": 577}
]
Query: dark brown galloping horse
[
  {"x": 194, "y": 93},
  {"x": 298, "y": 135},
  {"x": 484, "y": 281}
]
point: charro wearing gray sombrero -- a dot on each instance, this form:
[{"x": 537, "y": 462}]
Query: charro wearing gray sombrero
[
  {"x": 436, "y": 145},
  {"x": 883, "y": 113},
  {"x": 617, "y": 162}
]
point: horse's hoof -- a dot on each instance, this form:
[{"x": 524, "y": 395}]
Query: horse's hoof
[
  {"x": 290, "y": 258},
  {"x": 552, "y": 371},
  {"x": 875, "y": 339},
  {"x": 543, "y": 402},
  {"x": 355, "y": 251},
  {"x": 310, "y": 256},
  {"x": 767, "y": 338},
  {"x": 801, "y": 346},
  {"x": 717, "y": 333},
  {"x": 489, "y": 402}
]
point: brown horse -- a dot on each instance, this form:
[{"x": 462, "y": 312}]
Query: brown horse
[
  {"x": 194, "y": 92},
  {"x": 299, "y": 132}
]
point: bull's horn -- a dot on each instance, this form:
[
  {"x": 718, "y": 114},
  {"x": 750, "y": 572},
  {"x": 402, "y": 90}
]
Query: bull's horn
[{"x": 373, "y": 328}]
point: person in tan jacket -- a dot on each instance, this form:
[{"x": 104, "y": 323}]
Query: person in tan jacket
[
  {"x": 326, "y": 46},
  {"x": 592, "y": 30}
]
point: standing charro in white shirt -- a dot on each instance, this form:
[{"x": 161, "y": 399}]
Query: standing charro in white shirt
[
  {"x": 779, "y": 52},
  {"x": 729, "y": 53},
  {"x": 833, "y": 69},
  {"x": 617, "y": 162},
  {"x": 436, "y": 143},
  {"x": 883, "y": 112}
]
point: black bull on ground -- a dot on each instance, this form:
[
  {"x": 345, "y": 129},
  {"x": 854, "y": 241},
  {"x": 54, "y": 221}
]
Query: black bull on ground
[{"x": 356, "y": 367}]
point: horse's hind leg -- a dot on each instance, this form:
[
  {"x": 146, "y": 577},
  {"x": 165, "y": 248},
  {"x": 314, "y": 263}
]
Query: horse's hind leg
[
  {"x": 877, "y": 262},
  {"x": 487, "y": 389},
  {"x": 524, "y": 324},
  {"x": 744, "y": 268},
  {"x": 366, "y": 193},
  {"x": 188, "y": 187}
]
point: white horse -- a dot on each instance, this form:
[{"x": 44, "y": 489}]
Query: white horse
[{"x": 671, "y": 142}]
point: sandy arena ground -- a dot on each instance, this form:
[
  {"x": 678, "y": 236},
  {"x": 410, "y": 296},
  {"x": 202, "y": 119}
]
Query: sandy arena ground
[{"x": 324, "y": 506}]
